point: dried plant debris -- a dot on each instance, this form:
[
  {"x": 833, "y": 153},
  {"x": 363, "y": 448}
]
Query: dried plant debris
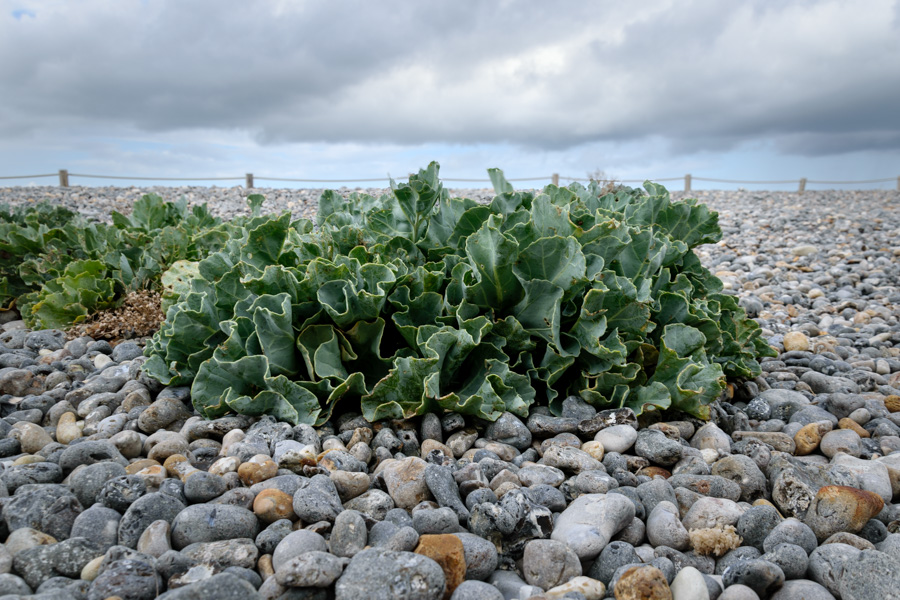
[{"x": 139, "y": 316}]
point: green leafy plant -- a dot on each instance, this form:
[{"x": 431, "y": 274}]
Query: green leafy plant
[
  {"x": 415, "y": 301},
  {"x": 58, "y": 267}
]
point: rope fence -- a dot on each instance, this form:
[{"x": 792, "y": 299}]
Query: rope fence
[{"x": 249, "y": 179}]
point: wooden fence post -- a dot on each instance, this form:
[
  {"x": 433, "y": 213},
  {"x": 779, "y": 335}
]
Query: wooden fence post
[
  {"x": 555, "y": 179},
  {"x": 63, "y": 178},
  {"x": 249, "y": 183},
  {"x": 802, "y": 187},
  {"x": 687, "y": 182}
]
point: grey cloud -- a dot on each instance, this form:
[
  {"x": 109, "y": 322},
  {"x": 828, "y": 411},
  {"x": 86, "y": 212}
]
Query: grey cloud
[{"x": 818, "y": 78}]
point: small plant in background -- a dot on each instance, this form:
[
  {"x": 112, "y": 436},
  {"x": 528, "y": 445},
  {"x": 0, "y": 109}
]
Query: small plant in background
[
  {"x": 607, "y": 183},
  {"x": 415, "y": 301},
  {"x": 58, "y": 268}
]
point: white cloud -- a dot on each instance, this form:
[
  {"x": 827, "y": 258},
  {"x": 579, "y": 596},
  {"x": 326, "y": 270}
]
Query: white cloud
[{"x": 810, "y": 78}]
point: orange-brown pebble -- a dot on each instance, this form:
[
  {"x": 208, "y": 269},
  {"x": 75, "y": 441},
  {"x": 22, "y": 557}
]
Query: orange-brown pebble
[
  {"x": 154, "y": 475},
  {"x": 795, "y": 341},
  {"x": 808, "y": 438},
  {"x": 252, "y": 473},
  {"x": 272, "y": 504},
  {"x": 179, "y": 466},
  {"x": 841, "y": 508},
  {"x": 446, "y": 550},
  {"x": 654, "y": 471},
  {"x": 848, "y": 423},
  {"x": 643, "y": 583},
  {"x": 892, "y": 403},
  {"x": 141, "y": 464}
]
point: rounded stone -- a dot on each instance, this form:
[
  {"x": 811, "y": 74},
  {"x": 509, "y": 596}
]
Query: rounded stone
[
  {"x": 127, "y": 578},
  {"x": 318, "y": 500},
  {"x": 738, "y": 592},
  {"x": 272, "y": 505},
  {"x": 509, "y": 429},
  {"x": 872, "y": 574},
  {"x": 295, "y": 544},
  {"x": 795, "y": 341},
  {"x": 841, "y": 508},
  {"x": 756, "y": 524},
  {"x": 476, "y": 590},
  {"x": 664, "y": 527},
  {"x": 656, "y": 447},
  {"x": 120, "y": 492},
  {"x": 12, "y": 585},
  {"x": 689, "y": 584},
  {"x": 374, "y": 504},
  {"x": 708, "y": 512},
  {"x": 481, "y": 556},
  {"x": 144, "y": 511},
  {"x": 809, "y": 437},
  {"x": 312, "y": 569},
  {"x": 790, "y": 558},
  {"x": 791, "y": 531},
  {"x": 840, "y": 440},
  {"x": 31, "y": 437},
  {"x": 589, "y": 522},
  {"x": 617, "y": 438},
  {"x": 548, "y": 563},
  {"x": 447, "y": 551},
  {"x": 376, "y": 574},
  {"x": 156, "y": 539},
  {"x": 759, "y": 575},
  {"x": 67, "y": 428},
  {"x": 128, "y": 442},
  {"x": 98, "y": 524},
  {"x": 211, "y": 523},
  {"x": 826, "y": 565},
  {"x": 405, "y": 481},
  {"x": 203, "y": 487},
  {"x": 87, "y": 482},
  {"x": 744, "y": 472},
  {"x": 349, "y": 534},
  {"x": 532, "y": 475},
  {"x": 89, "y": 452},
  {"x": 710, "y": 436},
  {"x": 802, "y": 589},
  {"x": 257, "y": 469},
  {"x": 269, "y": 538}
]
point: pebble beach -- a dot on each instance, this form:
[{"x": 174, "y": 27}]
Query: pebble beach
[{"x": 112, "y": 486}]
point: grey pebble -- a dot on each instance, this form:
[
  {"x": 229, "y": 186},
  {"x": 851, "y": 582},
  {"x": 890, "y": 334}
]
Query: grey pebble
[
  {"x": 130, "y": 579},
  {"x": 791, "y": 558},
  {"x": 295, "y": 544},
  {"x": 318, "y": 500},
  {"x": 349, "y": 535},
  {"x": 212, "y": 522},
  {"x": 386, "y": 575},
  {"x": 871, "y": 574},
  {"x": 762, "y": 576},
  {"x": 476, "y": 590}
]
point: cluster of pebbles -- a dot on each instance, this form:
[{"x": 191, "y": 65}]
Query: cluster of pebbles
[{"x": 111, "y": 486}]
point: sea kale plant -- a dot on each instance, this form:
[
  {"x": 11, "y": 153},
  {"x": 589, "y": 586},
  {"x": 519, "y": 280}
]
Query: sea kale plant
[
  {"x": 58, "y": 268},
  {"x": 415, "y": 301}
]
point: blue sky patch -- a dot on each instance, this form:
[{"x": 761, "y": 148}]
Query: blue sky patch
[{"x": 23, "y": 12}]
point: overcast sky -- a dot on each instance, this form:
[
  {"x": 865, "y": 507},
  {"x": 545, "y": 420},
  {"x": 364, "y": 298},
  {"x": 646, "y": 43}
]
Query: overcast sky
[{"x": 778, "y": 89}]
